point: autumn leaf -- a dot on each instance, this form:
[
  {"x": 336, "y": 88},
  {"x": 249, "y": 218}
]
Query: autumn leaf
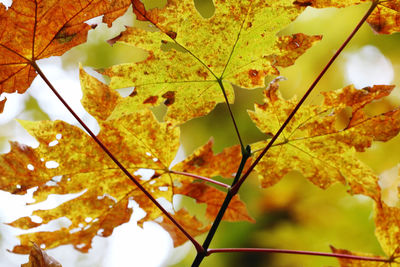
[
  {"x": 204, "y": 162},
  {"x": 39, "y": 258},
  {"x": 387, "y": 221},
  {"x": 358, "y": 263},
  {"x": 190, "y": 223},
  {"x": 385, "y": 19},
  {"x": 190, "y": 57},
  {"x": 138, "y": 140},
  {"x": 312, "y": 144},
  {"x": 32, "y": 30}
]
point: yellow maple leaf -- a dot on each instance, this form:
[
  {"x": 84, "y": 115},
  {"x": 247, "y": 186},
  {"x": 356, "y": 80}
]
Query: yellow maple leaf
[
  {"x": 312, "y": 144},
  {"x": 237, "y": 45},
  {"x": 69, "y": 161}
]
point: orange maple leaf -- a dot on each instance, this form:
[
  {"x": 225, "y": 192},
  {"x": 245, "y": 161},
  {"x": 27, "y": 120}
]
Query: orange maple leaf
[
  {"x": 39, "y": 258},
  {"x": 32, "y": 30}
]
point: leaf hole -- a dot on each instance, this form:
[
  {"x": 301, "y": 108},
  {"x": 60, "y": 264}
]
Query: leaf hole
[
  {"x": 36, "y": 219},
  {"x": 145, "y": 174},
  {"x": 53, "y": 143},
  {"x": 30, "y": 167},
  {"x": 88, "y": 219},
  {"x": 51, "y": 183},
  {"x": 42, "y": 246},
  {"x": 100, "y": 232},
  {"x": 58, "y": 136},
  {"x": 163, "y": 188},
  {"x": 75, "y": 230},
  {"x": 80, "y": 245},
  {"x": 57, "y": 178},
  {"x": 51, "y": 164}
]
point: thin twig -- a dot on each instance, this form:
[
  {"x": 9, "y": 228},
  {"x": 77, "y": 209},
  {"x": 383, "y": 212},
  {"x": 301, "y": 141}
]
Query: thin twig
[
  {"x": 201, "y": 178},
  {"x": 300, "y": 252},
  {"x": 198, "y": 247}
]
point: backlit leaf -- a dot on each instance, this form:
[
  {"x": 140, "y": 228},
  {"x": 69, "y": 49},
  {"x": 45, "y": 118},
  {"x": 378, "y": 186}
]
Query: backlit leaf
[
  {"x": 32, "y": 30},
  {"x": 190, "y": 56},
  {"x": 313, "y": 144},
  {"x": 344, "y": 262},
  {"x": 39, "y": 258},
  {"x": 68, "y": 161},
  {"x": 385, "y": 19}
]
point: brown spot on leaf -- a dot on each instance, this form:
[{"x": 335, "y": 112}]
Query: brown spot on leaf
[
  {"x": 63, "y": 37},
  {"x": 155, "y": 175},
  {"x": 300, "y": 3},
  {"x": 255, "y": 77},
  {"x": 114, "y": 40},
  {"x": 253, "y": 73},
  {"x": 172, "y": 34},
  {"x": 134, "y": 93},
  {"x": 151, "y": 100},
  {"x": 203, "y": 74},
  {"x": 197, "y": 162},
  {"x": 170, "y": 98}
]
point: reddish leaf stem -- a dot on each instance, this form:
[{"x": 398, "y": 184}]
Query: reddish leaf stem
[
  {"x": 198, "y": 247},
  {"x": 201, "y": 178},
  {"x": 236, "y": 187},
  {"x": 301, "y": 252}
]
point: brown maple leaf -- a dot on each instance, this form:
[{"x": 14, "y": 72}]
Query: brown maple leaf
[{"x": 39, "y": 258}]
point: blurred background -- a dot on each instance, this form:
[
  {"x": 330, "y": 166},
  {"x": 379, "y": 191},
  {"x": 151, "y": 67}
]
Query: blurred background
[{"x": 294, "y": 214}]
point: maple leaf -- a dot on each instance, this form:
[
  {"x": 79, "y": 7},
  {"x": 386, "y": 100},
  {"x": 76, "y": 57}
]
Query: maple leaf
[
  {"x": 313, "y": 145},
  {"x": 358, "y": 263},
  {"x": 32, "y": 30},
  {"x": 204, "y": 162},
  {"x": 237, "y": 45},
  {"x": 387, "y": 221},
  {"x": 140, "y": 143},
  {"x": 39, "y": 258},
  {"x": 385, "y": 19}
]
